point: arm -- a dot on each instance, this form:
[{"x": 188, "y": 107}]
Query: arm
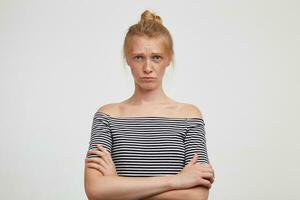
[
  {"x": 102, "y": 182},
  {"x": 195, "y": 193},
  {"x": 195, "y": 141},
  {"x": 98, "y": 187}
]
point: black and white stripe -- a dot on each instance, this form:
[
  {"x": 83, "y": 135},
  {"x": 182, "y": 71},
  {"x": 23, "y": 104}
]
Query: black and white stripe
[{"x": 149, "y": 146}]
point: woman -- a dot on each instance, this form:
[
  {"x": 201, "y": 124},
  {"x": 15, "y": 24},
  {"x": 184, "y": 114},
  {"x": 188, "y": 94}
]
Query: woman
[{"x": 148, "y": 146}]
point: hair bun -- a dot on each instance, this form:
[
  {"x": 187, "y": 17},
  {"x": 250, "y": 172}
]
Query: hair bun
[{"x": 148, "y": 15}]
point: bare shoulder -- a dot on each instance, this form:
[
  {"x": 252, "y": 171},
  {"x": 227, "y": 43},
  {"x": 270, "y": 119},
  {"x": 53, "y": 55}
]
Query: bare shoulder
[
  {"x": 110, "y": 108},
  {"x": 191, "y": 110}
]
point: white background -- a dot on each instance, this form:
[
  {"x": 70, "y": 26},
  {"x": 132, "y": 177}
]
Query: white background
[{"x": 238, "y": 61}]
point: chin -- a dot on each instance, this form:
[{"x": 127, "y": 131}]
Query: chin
[{"x": 147, "y": 86}]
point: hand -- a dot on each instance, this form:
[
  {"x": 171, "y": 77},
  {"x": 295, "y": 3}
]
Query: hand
[
  {"x": 103, "y": 162},
  {"x": 194, "y": 174}
]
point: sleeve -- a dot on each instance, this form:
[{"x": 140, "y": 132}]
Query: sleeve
[
  {"x": 100, "y": 134},
  {"x": 195, "y": 141}
]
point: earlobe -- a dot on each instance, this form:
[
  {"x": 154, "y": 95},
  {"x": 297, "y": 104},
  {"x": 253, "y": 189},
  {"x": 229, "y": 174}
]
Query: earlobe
[
  {"x": 169, "y": 61},
  {"x": 126, "y": 60},
  {"x": 168, "y": 64}
]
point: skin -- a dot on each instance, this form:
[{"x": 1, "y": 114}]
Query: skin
[{"x": 148, "y": 58}]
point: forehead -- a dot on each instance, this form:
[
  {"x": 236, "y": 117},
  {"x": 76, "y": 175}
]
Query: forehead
[{"x": 142, "y": 44}]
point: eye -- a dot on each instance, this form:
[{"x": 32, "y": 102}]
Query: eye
[
  {"x": 137, "y": 58},
  {"x": 157, "y": 57}
]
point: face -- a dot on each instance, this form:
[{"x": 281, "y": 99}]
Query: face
[{"x": 148, "y": 60}]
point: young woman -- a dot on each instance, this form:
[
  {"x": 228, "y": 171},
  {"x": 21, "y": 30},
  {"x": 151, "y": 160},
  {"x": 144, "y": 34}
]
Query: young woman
[{"x": 148, "y": 146}]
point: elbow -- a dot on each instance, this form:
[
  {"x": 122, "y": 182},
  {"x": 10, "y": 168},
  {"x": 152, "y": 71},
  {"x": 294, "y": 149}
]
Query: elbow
[
  {"x": 203, "y": 195},
  {"x": 199, "y": 193},
  {"x": 93, "y": 185},
  {"x": 93, "y": 194}
]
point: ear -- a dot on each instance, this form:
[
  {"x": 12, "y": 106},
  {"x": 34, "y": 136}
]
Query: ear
[
  {"x": 126, "y": 60},
  {"x": 168, "y": 62}
]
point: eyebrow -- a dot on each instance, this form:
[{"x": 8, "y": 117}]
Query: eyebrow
[{"x": 143, "y": 53}]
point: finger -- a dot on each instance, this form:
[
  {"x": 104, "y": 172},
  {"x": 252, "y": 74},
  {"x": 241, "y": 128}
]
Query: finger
[
  {"x": 202, "y": 164},
  {"x": 203, "y": 168},
  {"x": 97, "y": 167},
  {"x": 109, "y": 156},
  {"x": 205, "y": 183},
  {"x": 94, "y": 151},
  {"x": 102, "y": 148},
  {"x": 105, "y": 155},
  {"x": 213, "y": 172},
  {"x": 98, "y": 161},
  {"x": 95, "y": 160},
  {"x": 208, "y": 176},
  {"x": 210, "y": 179},
  {"x": 194, "y": 159},
  {"x": 109, "y": 159},
  {"x": 101, "y": 159},
  {"x": 97, "y": 152}
]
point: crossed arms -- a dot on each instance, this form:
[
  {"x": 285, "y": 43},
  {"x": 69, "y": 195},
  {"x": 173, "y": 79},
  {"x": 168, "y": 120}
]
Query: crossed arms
[{"x": 102, "y": 182}]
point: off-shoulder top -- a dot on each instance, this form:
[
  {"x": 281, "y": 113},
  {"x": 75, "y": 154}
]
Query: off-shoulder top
[{"x": 151, "y": 145}]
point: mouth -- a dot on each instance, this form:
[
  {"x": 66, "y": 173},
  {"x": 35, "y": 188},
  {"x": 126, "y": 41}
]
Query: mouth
[{"x": 148, "y": 78}]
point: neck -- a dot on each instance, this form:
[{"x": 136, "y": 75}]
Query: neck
[{"x": 142, "y": 96}]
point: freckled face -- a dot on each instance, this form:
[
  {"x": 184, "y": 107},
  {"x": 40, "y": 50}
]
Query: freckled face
[{"x": 147, "y": 57}]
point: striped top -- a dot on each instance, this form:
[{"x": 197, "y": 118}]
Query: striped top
[{"x": 151, "y": 145}]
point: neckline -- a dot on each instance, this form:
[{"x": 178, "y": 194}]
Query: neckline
[{"x": 150, "y": 117}]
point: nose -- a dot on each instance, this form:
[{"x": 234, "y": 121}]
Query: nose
[{"x": 148, "y": 67}]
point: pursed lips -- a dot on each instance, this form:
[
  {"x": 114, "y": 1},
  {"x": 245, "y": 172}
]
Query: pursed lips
[{"x": 148, "y": 78}]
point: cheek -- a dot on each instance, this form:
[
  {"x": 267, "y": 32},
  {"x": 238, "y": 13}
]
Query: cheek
[
  {"x": 161, "y": 70},
  {"x": 134, "y": 70}
]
